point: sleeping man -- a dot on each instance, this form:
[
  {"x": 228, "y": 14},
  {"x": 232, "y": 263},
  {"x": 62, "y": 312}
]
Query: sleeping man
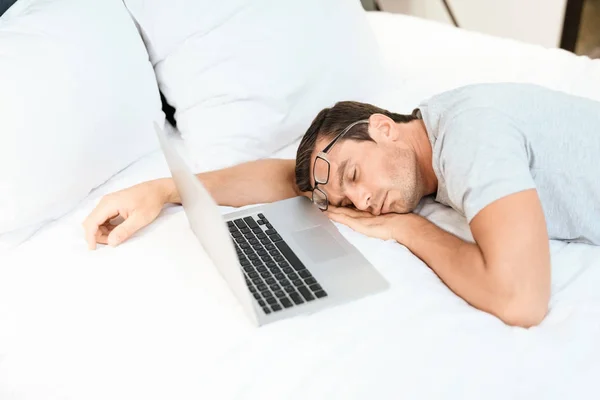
[{"x": 517, "y": 160}]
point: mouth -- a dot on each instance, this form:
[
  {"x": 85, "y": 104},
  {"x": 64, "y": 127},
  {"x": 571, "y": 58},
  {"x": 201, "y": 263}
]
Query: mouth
[{"x": 382, "y": 208}]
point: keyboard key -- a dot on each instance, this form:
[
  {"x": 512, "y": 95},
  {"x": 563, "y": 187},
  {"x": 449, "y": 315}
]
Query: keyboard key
[
  {"x": 264, "y": 241},
  {"x": 248, "y": 235},
  {"x": 271, "y": 232},
  {"x": 274, "y": 252},
  {"x": 266, "y": 258},
  {"x": 253, "y": 275},
  {"x": 271, "y": 264},
  {"x": 286, "y": 302},
  {"x": 293, "y": 276},
  {"x": 270, "y": 246},
  {"x": 236, "y": 234},
  {"x": 252, "y": 241},
  {"x": 250, "y": 222},
  {"x": 274, "y": 287},
  {"x": 233, "y": 229},
  {"x": 262, "y": 303},
  {"x": 261, "y": 216},
  {"x": 289, "y": 254},
  {"x": 316, "y": 287},
  {"x": 276, "y": 307},
  {"x": 244, "y": 245},
  {"x": 257, "y": 246},
  {"x": 298, "y": 282},
  {"x": 261, "y": 269},
  {"x": 252, "y": 256},
  {"x": 252, "y": 288},
  {"x": 289, "y": 289},
  {"x": 256, "y": 296},
  {"x": 310, "y": 281},
  {"x": 257, "y": 281},
  {"x": 265, "y": 274},
  {"x": 240, "y": 239},
  {"x": 305, "y": 274},
  {"x": 260, "y": 286},
  {"x": 257, "y": 230},
  {"x": 275, "y": 238},
  {"x": 261, "y": 252},
  {"x": 245, "y": 229},
  {"x": 306, "y": 293},
  {"x": 261, "y": 222},
  {"x": 283, "y": 264},
  {"x": 249, "y": 268},
  {"x": 321, "y": 294},
  {"x": 261, "y": 236},
  {"x": 230, "y": 223},
  {"x": 269, "y": 226},
  {"x": 287, "y": 270},
  {"x": 245, "y": 262},
  {"x": 272, "y": 300},
  {"x": 266, "y": 294},
  {"x": 275, "y": 270},
  {"x": 285, "y": 282},
  {"x": 280, "y": 276},
  {"x": 279, "y": 294},
  {"x": 239, "y": 223},
  {"x": 270, "y": 281},
  {"x": 257, "y": 262},
  {"x": 296, "y": 298},
  {"x": 266, "y": 310}
]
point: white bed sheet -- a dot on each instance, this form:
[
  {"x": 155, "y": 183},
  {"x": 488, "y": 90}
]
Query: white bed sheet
[{"x": 152, "y": 319}]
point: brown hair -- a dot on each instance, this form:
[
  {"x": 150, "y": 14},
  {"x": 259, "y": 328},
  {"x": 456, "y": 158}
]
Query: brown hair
[{"x": 330, "y": 122}]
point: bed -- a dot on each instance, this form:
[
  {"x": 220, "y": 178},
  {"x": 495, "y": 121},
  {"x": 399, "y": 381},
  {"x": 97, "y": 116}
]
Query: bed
[{"x": 152, "y": 319}]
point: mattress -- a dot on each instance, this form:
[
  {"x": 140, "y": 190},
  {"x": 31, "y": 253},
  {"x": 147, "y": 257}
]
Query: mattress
[{"x": 152, "y": 319}]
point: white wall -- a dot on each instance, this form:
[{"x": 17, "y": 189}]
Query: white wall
[{"x": 533, "y": 21}]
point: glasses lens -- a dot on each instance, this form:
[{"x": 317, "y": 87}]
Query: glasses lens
[
  {"x": 320, "y": 199},
  {"x": 321, "y": 171}
]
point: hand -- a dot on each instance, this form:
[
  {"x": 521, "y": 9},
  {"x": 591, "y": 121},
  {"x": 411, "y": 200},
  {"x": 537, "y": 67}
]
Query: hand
[
  {"x": 381, "y": 226},
  {"x": 137, "y": 206}
]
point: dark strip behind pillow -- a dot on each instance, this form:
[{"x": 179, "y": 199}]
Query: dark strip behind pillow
[{"x": 5, "y": 5}]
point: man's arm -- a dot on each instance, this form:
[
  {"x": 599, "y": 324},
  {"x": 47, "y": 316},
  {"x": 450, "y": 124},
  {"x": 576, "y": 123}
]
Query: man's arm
[
  {"x": 262, "y": 181},
  {"x": 506, "y": 272}
]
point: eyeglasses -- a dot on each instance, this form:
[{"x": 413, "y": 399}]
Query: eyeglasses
[{"x": 322, "y": 167}]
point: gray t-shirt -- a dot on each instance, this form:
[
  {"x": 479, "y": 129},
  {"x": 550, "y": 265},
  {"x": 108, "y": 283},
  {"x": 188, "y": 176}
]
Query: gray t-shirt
[{"x": 493, "y": 140}]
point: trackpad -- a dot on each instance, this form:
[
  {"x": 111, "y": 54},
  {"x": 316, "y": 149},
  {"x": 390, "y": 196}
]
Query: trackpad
[{"x": 318, "y": 244}]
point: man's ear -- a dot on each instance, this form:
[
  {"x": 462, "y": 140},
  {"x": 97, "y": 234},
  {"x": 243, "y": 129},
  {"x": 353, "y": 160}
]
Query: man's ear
[{"x": 382, "y": 127}]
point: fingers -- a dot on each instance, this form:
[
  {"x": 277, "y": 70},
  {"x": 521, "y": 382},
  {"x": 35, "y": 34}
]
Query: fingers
[
  {"x": 103, "y": 212},
  {"x": 351, "y": 212},
  {"x": 125, "y": 230},
  {"x": 344, "y": 219}
]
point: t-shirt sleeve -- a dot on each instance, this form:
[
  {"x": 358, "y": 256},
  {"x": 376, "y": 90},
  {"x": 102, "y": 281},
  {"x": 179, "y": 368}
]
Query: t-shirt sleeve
[{"x": 484, "y": 156}]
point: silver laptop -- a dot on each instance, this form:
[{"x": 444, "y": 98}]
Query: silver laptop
[{"x": 279, "y": 259}]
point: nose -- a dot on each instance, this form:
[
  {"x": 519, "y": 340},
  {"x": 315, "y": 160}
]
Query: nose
[{"x": 362, "y": 199}]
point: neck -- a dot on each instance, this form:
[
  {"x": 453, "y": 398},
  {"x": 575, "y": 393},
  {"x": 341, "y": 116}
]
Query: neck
[{"x": 419, "y": 140}]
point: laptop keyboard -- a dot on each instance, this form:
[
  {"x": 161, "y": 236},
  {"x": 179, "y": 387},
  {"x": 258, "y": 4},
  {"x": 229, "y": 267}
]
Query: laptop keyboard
[{"x": 274, "y": 275}]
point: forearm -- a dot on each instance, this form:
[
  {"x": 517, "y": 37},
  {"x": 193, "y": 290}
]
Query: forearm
[
  {"x": 261, "y": 181},
  {"x": 459, "y": 264}
]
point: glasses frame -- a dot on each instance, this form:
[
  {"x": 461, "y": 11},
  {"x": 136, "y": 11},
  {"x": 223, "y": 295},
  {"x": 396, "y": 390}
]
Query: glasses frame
[{"x": 323, "y": 156}]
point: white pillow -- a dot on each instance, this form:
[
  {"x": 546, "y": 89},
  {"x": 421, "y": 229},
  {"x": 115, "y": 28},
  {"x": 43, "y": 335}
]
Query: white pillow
[
  {"x": 248, "y": 76},
  {"x": 77, "y": 99}
]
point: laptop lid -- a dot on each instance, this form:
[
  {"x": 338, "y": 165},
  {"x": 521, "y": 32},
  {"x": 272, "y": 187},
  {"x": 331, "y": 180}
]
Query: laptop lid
[{"x": 207, "y": 224}]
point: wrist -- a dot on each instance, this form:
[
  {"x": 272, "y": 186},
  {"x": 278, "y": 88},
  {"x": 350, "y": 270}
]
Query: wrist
[
  {"x": 405, "y": 227},
  {"x": 167, "y": 190}
]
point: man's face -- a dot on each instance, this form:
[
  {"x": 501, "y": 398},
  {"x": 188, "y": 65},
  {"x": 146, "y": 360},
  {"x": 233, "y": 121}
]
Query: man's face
[{"x": 379, "y": 177}]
